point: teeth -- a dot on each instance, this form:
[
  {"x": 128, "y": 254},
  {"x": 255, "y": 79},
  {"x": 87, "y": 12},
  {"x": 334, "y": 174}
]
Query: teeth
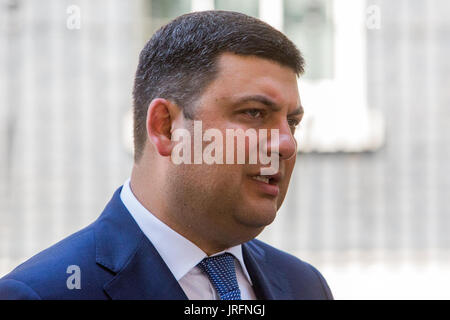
[{"x": 261, "y": 178}]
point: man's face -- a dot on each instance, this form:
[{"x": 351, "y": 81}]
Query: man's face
[{"x": 248, "y": 92}]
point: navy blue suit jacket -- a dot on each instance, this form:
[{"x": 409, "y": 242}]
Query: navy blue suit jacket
[{"x": 117, "y": 261}]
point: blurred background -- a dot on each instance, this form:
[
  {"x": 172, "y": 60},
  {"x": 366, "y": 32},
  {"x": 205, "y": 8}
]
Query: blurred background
[{"x": 369, "y": 198}]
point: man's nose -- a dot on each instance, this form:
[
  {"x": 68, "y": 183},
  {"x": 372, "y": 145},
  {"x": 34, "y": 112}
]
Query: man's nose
[{"x": 285, "y": 144}]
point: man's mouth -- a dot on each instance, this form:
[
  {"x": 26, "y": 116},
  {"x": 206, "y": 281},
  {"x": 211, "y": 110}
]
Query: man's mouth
[
  {"x": 265, "y": 179},
  {"x": 268, "y": 184},
  {"x": 269, "y": 179}
]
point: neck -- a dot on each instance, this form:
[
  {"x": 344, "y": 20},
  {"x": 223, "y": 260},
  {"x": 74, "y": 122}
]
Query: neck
[{"x": 149, "y": 190}]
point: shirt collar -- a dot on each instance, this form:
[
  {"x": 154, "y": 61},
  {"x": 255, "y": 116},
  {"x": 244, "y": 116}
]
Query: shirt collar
[{"x": 179, "y": 254}]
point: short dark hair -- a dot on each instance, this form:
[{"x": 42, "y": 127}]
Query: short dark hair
[{"x": 179, "y": 60}]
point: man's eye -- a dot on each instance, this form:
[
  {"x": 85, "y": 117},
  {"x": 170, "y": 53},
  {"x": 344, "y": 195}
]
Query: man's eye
[{"x": 254, "y": 113}]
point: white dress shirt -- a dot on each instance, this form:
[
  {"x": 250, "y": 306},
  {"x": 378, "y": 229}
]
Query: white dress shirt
[{"x": 181, "y": 255}]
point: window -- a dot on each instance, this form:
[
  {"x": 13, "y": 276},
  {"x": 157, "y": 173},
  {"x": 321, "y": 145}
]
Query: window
[
  {"x": 309, "y": 24},
  {"x": 249, "y": 7},
  {"x": 160, "y": 12}
]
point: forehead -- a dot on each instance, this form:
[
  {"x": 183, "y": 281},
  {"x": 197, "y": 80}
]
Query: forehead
[{"x": 239, "y": 76}]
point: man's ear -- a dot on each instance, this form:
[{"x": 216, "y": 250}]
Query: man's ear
[{"x": 160, "y": 116}]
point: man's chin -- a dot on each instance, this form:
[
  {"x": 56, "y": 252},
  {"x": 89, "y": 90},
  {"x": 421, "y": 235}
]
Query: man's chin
[{"x": 260, "y": 214}]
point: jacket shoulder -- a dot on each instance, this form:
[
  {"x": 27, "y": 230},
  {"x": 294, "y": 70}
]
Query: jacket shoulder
[
  {"x": 11, "y": 289},
  {"x": 53, "y": 273},
  {"x": 304, "y": 279}
]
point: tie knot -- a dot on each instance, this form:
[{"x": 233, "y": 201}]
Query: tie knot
[{"x": 221, "y": 272}]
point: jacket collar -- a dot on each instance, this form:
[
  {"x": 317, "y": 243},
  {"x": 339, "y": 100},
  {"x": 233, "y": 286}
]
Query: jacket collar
[
  {"x": 121, "y": 247},
  {"x": 141, "y": 274},
  {"x": 268, "y": 282}
]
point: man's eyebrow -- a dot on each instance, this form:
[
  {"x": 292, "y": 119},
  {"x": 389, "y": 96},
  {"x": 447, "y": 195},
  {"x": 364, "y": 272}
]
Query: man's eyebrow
[
  {"x": 261, "y": 99},
  {"x": 268, "y": 102}
]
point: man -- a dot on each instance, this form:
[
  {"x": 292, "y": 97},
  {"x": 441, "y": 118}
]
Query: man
[{"x": 185, "y": 230}]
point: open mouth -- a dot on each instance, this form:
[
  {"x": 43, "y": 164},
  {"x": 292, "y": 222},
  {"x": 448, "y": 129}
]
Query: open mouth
[
  {"x": 268, "y": 185},
  {"x": 269, "y": 179},
  {"x": 265, "y": 179}
]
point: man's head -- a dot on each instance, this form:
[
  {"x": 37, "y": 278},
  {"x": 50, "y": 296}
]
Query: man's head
[
  {"x": 230, "y": 71},
  {"x": 180, "y": 59}
]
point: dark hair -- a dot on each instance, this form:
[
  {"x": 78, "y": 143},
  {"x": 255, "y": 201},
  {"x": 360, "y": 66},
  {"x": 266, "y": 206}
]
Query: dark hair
[{"x": 179, "y": 61}]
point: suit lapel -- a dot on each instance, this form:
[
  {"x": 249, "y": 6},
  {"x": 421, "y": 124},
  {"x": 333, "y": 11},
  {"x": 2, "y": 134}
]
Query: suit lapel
[
  {"x": 268, "y": 282},
  {"x": 145, "y": 277},
  {"x": 121, "y": 246}
]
